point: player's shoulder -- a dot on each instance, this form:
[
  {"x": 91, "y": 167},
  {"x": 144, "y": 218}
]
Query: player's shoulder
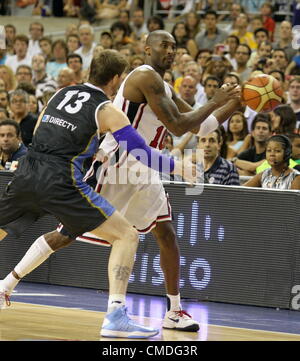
[{"x": 145, "y": 72}]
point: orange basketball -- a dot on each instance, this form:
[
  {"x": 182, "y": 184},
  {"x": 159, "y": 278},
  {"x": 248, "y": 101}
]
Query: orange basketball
[{"x": 262, "y": 93}]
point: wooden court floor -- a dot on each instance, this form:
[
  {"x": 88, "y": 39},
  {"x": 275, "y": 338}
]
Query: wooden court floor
[{"x": 24, "y": 321}]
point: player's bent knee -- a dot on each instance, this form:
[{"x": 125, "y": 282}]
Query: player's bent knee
[{"x": 57, "y": 240}]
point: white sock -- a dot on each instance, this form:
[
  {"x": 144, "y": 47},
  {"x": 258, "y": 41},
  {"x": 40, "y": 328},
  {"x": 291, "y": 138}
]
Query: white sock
[
  {"x": 36, "y": 255},
  {"x": 9, "y": 283},
  {"x": 115, "y": 301},
  {"x": 173, "y": 302}
]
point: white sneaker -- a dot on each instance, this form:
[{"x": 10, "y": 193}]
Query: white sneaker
[
  {"x": 181, "y": 321},
  {"x": 4, "y": 300}
]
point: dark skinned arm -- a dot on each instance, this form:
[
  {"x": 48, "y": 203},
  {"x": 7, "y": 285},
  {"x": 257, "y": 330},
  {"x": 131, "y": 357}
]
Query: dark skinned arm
[{"x": 150, "y": 86}]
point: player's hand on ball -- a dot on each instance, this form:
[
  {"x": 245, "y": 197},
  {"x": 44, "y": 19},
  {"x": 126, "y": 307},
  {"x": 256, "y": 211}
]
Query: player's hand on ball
[{"x": 226, "y": 92}]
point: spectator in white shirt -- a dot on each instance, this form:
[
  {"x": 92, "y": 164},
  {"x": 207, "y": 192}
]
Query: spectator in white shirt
[
  {"x": 36, "y": 31},
  {"x": 22, "y": 56},
  {"x": 86, "y": 36},
  {"x": 138, "y": 25}
]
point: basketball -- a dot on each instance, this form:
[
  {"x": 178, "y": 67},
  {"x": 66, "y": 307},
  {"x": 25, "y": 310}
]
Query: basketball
[{"x": 262, "y": 93}]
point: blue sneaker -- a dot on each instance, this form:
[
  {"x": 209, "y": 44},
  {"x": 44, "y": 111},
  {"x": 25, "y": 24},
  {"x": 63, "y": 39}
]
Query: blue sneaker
[{"x": 118, "y": 324}]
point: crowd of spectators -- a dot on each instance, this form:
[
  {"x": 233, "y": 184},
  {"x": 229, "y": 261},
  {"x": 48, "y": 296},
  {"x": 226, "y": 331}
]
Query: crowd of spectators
[{"x": 212, "y": 49}]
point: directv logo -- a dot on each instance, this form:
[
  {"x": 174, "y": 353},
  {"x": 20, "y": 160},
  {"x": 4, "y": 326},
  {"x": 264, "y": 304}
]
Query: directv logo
[
  {"x": 45, "y": 118},
  {"x": 2, "y": 37}
]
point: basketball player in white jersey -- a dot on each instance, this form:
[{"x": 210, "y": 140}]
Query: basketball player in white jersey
[{"x": 153, "y": 108}]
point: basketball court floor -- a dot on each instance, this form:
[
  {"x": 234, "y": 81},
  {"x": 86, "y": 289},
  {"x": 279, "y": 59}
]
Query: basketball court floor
[{"x": 53, "y": 313}]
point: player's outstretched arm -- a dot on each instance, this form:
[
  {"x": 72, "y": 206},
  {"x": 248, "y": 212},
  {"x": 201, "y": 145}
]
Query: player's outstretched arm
[
  {"x": 114, "y": 120},
  {"x": 151, "y": 85}
]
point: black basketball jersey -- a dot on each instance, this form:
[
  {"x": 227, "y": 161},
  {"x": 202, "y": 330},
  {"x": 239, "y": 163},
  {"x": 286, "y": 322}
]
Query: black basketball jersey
[{"x": 68, "y": 128}]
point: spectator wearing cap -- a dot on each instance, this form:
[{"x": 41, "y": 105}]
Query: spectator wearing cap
[
  {"x": 11, "y": 146},
  {"x": 86, "y": 36}
]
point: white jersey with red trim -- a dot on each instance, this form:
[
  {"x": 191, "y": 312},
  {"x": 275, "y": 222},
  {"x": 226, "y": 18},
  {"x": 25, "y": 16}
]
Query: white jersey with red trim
[{"x": 141, "y": 117}]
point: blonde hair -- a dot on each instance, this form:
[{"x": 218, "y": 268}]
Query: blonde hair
[{"x": 11, "y": 84}]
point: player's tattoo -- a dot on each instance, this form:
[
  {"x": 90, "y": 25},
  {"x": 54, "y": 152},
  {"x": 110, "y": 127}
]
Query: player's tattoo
[{"x": 122, "y": 273}]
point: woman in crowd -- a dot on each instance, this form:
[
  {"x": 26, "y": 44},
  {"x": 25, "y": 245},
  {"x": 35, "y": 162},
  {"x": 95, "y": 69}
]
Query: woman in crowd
[
  {"x": 237, "y": 130},
  {"x": 279, "y": 176},
  {"x": 192, "y": 21},
  {"x": 8, "y": 76},
  {"x": 73, "y": 43},
  {"x": 283, "y": 119},
  {"x": 180, "y": 33}
]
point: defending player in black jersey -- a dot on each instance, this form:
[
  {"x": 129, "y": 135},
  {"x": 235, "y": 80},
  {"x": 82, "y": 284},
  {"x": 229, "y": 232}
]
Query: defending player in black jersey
[{"x": 49, "y": 179}]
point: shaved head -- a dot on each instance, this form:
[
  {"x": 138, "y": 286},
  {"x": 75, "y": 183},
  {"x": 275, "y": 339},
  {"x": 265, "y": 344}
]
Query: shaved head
[{"x": 158, "y": 35}]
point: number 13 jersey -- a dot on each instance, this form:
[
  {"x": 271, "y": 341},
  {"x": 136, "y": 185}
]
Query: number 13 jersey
[{"x": 69, "y": 126}]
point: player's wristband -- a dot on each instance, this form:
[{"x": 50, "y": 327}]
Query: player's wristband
[
  {"x": 133, "y": 143},
  {"x": 209, "y": 125}
]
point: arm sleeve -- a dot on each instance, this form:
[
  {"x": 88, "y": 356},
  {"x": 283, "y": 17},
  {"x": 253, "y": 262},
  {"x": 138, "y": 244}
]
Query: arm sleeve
[
  {"x": 209, "y": 125},
  {"x": 129, "y": 139}
]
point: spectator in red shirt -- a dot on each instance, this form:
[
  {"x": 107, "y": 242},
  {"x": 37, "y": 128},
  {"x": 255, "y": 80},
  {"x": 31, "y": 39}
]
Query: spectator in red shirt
[{"x": 266, "y": 11}]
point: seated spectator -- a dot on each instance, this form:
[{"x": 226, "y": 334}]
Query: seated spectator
[
  {"x": 127, "y": 52},
  {"x": 266, "y": 11},
  {"x": 280, "y": 59},
  {"x": 33, "y": 105},
  {"x": 3, "y": 114},
  {"x": 8, "y": 77},
  {"x": 202, "y": 57},
  {"x": 138, "y": 24},
  {"x": 19, "y": 105},
  {"x": 293, "y": 96},
  {"x": 155, "y": 23},
  {"x": 242, "y": 57},
  {"x": 182, "y": 57},
  {"x": 46, "y": 48},
  {"x": 280, "y": 175},
  {"x": 217, "y": 170},
  {"x": 180, "y": 34},
  {"x": 41, "y": 80},
  {"x": 73, "y": 43},
  {"x": 118, "y": 32},
  {"x": 36, "y": 31},
  {"x": 136, "y": 60},
  {"x": 22, "y": 56},
  {"x": 168, "y": 78},
  {"x": 260, "y": 35},
  {"x": 71, "y": 29},
  {"x": 248, "y": 160},
  {"x": 285, "y": 40},
  {"x": 106, "y": 40},
  {"x": 211, "y": 84},
  {"x": 226, "y": 151},
  {"x": 235, "y": 11},
  {"x": 86, "y": 36},
  {"x": 108, "y": 9},
  {"x": 24, "y": 74},
  {"x": 74, "y": 62},
  {"x": 245, "y": 36},
  {"x": 279, "y": 75},
  {"x": 10, "y": 34},
  {"x": 192, "y": 21},
  {"x": 124, "y": 18},
  {"x": 283, "y": 120},
  {"x": 29, "y": 88},
  {"x": 237, "y": 130},
  {"x": 264, "y": 51},
  {"x": 218, "y": 66},
  {"x": 66, "y": 77},
  {"x": 11, "y": 146},
  {"x": 60, "y": 53},
  {"x": 4, "y": 99},
  {"x": 232, "y": 42},
  {"x": 256, "y": 23},
  {"x": 212, "y": 34},
  {"x": 71, "y": 8}
]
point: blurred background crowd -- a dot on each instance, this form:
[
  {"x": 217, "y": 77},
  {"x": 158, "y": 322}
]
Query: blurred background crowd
[{"x": 218, "y": 41}]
